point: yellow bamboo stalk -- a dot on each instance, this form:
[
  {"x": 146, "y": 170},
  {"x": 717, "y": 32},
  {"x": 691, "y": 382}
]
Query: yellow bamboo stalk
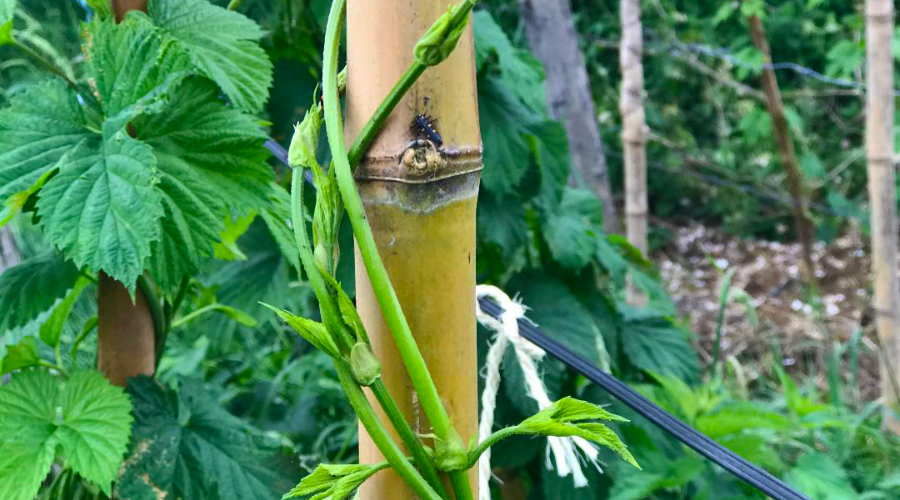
[
  {"x": 882, "y": 191},
  {"x": 126, "y": 337},
  {"x": 634, "y": 136},
  {"x": 420, "y": 201}
]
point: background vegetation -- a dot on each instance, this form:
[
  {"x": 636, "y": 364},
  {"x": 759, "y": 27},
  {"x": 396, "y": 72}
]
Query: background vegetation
[{"x": 244, "y": 379}]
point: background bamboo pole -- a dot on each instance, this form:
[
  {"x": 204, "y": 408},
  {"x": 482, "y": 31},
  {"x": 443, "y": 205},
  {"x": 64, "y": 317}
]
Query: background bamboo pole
[
  {"x": 634, "y": 135},
  {"x": 882, "y": 191},
  {"x": 421, "y": 205}
]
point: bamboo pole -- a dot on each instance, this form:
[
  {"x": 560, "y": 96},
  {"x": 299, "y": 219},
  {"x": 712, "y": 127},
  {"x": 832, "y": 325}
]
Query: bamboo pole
[
  {"x": 125, "y": 329},
  {"x": 552, "y": 36},
  {"x": 882, "y": 191},
  {"x": 634, "y": 135},
  {"x": 420, "y": 201},
  {"x": 786, "y": 151}
]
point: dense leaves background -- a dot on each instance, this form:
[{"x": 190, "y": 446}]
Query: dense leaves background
[{"x": 247, "y": 406}]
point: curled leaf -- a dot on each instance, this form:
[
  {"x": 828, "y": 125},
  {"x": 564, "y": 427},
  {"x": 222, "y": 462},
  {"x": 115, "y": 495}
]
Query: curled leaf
[
  {"x": 314, "y": 332},
  {"x": 439, "y": 41},
  {"x": 302, "y": 151}
]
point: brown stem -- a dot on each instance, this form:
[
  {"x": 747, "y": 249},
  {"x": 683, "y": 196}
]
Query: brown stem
[
  {"x": 126, "y": 345},
  {"x": 785, "y": 149}
]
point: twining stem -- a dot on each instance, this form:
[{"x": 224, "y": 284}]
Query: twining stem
[
  {"x": 488, "y": 442},
  {"x": 408, "y": 436},
  {"x": 380, "y": 436},
  {"x": 378, "y": 275},
  {"x": 384, "y": 290},
  {"x": 371, "y": 128},
  {"x": 330, "y": 314}
]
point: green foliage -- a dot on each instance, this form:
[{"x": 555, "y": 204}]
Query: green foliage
[
  {"x": 334, "y": 482},
  {"x": 185, "y": 445},
  {"x": 211, "y": 163},
  {"x": 7, "y": 7},
  {"x": 33, "y": 288},
  {"x": 85, "y": 420},
  {"x": 222, "y": 44}
]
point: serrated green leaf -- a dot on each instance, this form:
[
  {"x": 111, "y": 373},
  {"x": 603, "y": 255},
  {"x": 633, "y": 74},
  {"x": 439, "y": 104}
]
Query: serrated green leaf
[
  {"x": 101, "y": 208},
  {"x": 38, "y": 129},
  {"x": 653, "y": 342},
  {"x": 506, "y": 153},
  {"x": 131, "y": 68},
  {"x": 222, "y": 43},
  {"x": 570, "y": 417},
  {"x": 817, "y": 475},
  {"x": 186, "y": 446},
  {"x": 560, "y": 314},
  {"x": 7, "y": 8},
  {"x": 86, "y": 419},
  {"x": 518, "y": 69},
  {"x": 226, "y": 248},
  {"x": 34, "y": 287},
  {"x": 334, "y": 482},
  {"x": 634, "y": 484},
  {"x": 276, "y": 216},
  {"x": 52, "y": 328},
  {"x": 21, "y": 355},
  {"x": 211, "y": 162}
]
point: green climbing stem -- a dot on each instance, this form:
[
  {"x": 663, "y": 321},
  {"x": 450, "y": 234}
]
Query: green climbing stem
[
  {"x": 374, "y": 124},
  {"x": 378, "y": 276},
  {"x": 426, "y": 466},
  {"x": 380, "y": 436}
]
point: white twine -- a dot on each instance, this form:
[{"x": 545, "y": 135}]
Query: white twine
[{"x": 527, "y": 354}]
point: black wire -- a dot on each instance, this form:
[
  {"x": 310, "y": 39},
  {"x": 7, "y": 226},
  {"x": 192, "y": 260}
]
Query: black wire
[{"x": 727, "y": 459}]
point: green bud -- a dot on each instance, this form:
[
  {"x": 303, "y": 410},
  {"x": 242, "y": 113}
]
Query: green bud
[
  {"x": 342, "y": 81},
  {"x": 364, "y": 365},
  {"x": 450, "y": 454},
  {"x": 302, "y": 152},
  {"x": 439, "y": 41},
  {"x": 6, "y": 22}
]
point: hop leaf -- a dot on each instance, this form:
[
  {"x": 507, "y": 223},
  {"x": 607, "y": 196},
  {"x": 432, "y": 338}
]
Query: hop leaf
[
  {"x": 334, "y": 482},
  {"x": 86, "y": 419},
  {"x": 570, "y": 417}
]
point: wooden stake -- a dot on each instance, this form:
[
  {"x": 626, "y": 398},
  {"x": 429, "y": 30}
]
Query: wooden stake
[
  {"x": 126, "y": 336},
  {"x": 634, "y": 136},
  {"x": 785, "y": 150},
  {"x": 882, "y": 191},
  {"x": 420, "y": 201}
]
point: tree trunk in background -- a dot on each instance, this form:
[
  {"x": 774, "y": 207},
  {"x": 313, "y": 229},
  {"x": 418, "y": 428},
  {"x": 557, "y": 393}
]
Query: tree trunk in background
[
  {"x": 634, "y": 137},
  {"x": 882, "y": 191},
  {"x": 126, "y": 336},
  {"x": 785, "y": 149},
  {"x": 421, "y": 206},
  {"x": 553, "y": 39}
]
